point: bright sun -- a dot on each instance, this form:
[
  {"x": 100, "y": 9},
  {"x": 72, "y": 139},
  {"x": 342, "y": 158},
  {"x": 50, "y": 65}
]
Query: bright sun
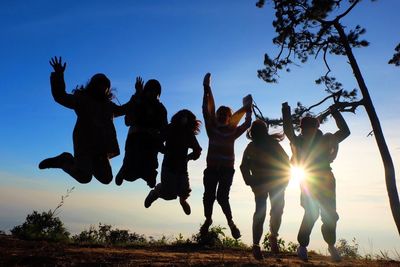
[{"x": 297, "y": 175}]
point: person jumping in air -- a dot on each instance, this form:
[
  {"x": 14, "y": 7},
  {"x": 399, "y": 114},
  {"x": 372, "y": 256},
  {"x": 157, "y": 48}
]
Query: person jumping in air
[
  {"x": 266, "y": 168},
  {"x": 180, "y": 136},
  {"x": 94, "y": 136},
  {"x": 222, "y": 131},
  {"x": 314, "y": 152},
  {"x": 147, "y": 118}
]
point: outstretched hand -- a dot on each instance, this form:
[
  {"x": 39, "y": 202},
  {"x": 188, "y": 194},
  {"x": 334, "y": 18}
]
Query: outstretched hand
[
  {"x": 207, "y": 80},
  {"x": 57, "y": 65},
  {"x": 139, "y": 85}
]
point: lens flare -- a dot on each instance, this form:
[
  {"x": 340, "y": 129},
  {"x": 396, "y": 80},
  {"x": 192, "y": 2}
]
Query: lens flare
[{"x": 297, "y": 175}]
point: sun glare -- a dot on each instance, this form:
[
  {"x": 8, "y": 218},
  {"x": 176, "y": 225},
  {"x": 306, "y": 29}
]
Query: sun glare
[{"x": 297, "y": 175}]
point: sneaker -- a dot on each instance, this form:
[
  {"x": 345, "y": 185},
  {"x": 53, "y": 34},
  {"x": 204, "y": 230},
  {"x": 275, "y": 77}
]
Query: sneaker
[
  {"x": 151, "y": 197},
  {"x": 151, "y": 182},
  {"x": 273, "y": 242},
  {"x": 234, "y": 230},
  {"x": 185, "y": 207},
  {"x": 334, "y": 253},
  {"x": 120, "y": 177},
  {"x": 204, "y": 228},
  {"x": 257, "y": 252},
  {"x": 56, "y": 162},
  {"x": 302, "y": 253}
]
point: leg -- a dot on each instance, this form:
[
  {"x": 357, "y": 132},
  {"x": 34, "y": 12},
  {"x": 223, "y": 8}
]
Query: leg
[
  {"x": 277, "y": 199},
  {"x": 78, "y": 167},
  {"x": 259, "y": 215},
  {"x": 329, "y": 215},
  {"x": 311, "y": 213},
  {"x": 153, "y": 195},
  {"x": 210, "y": 181},
  {"x": 102, "y": 169},
  {"x": 224, "y": 187}
]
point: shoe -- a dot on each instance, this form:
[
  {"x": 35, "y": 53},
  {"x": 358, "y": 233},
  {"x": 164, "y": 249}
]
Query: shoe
[
  {"x": 334, "y": 254},
  {"x": 151, "y": 197},
  {"x": 302, "y": 253},
  {"x": 120, "y": 177},
  {"x": 273, "y": 242},
  {"x": 151, "y": 182},
  {"x": 204, "y": 228},
  {"x": 234, "y": 230},
  {"x": 257, "y": 252},
  {"x": 56, "y": 162},
  {"x": 185, "y": 207}
]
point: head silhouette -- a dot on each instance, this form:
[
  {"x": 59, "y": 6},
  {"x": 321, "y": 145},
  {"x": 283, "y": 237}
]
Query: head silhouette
[
  {"x": 223, "y": 115},
  {"x": 186, "y": 121},
  {"x": 309, "y": 126},
  {"x": 152, "y": 89},
  {"x": 99, "y": 87},
  {"x": 258, "y": 132}
]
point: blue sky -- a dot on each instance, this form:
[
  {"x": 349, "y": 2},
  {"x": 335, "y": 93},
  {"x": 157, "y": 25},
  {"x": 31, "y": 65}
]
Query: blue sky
[{"x": 177, "y": 42}]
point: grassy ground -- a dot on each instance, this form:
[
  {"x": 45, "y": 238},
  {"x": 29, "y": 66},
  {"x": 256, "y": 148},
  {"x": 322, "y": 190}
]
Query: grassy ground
[{"x": 15, "y": 252}]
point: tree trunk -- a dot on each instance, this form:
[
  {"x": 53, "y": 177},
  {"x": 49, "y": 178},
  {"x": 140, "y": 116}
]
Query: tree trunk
[{"x": 390, "y": 176}]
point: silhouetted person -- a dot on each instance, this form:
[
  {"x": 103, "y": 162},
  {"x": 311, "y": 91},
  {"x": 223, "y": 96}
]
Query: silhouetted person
[
  {"x": 314, "y": 151},
  {"x": 147, "y": 118},
  {"x": 94, "y": 136},
  {"x": 222, "y": 131},
  {"x": 180, "y": 136},
  {"x": 265, "y": 167}
]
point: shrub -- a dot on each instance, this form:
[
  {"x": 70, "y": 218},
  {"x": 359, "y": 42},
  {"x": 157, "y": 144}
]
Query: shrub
[
  {"x": 348, "y": 250},
  {"x": 291, "y": 247},
  {"x": 41, "y": 226},
  {"x": 105, "y": 235},
  {"x": 216, "y": 238}
]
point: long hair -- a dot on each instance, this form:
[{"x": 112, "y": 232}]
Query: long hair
[
  {"x": 258, "y": 132},
  {"x": 98, "y": 87},
  {"x": 184, "y": 120}
]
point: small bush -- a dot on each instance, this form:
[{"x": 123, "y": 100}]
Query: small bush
[
  {"x": 41, "y": 226},
  {"x": 105, "y": 235},
  {"x": 291, "y": 247},
  {"x": 348, "y": 250},
  {"x": 216, "y": 238}
]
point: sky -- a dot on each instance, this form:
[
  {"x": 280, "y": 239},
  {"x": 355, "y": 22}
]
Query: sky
[{"x": 177, "y": 42}]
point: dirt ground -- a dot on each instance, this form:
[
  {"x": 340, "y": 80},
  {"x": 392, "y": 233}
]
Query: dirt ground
[{"x": 14, "y": 252}]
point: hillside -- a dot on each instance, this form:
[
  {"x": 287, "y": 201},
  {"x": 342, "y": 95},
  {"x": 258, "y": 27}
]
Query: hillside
[{"x": 15, "y": 252}]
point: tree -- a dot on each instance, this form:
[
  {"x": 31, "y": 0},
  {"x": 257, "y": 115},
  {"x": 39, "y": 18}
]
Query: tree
[
  {"x": 396, "y": 57},
  {"x": 307, "y": 28}
]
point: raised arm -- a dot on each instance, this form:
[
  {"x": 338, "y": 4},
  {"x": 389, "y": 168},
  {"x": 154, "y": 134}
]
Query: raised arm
[
  {"x": 344, "y": 130},
  {"x": 238, "y": 115},
  {"x": 130, "y": 105},
  {"x": 208, "y": 101},
  {"x": 245, "y": 125},
  {"x": 58, "y": 84},
  {"x": 287, "y": 122}
]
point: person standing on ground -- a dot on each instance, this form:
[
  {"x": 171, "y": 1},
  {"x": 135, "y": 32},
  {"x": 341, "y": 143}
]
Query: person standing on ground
[
  {"x": 314, "y": 152},
  {"x": 265, "y": 168}
]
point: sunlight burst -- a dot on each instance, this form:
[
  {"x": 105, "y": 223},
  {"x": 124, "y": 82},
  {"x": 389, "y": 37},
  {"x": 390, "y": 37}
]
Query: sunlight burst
[{"x": 297, "y": 175}]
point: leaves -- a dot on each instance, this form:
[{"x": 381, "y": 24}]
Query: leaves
[{"x": 396, "y": 57}]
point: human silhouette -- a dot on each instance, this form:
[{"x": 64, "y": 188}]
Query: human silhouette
[
  {"x": 94, "y": 136},
  {"x": 222, "y": 131},
  {"x": 147, "y": 118},
  {"x": 265, "y": 168},
  {"x": 180, "y": 136},
  {"x": 314, "y": 151}
]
